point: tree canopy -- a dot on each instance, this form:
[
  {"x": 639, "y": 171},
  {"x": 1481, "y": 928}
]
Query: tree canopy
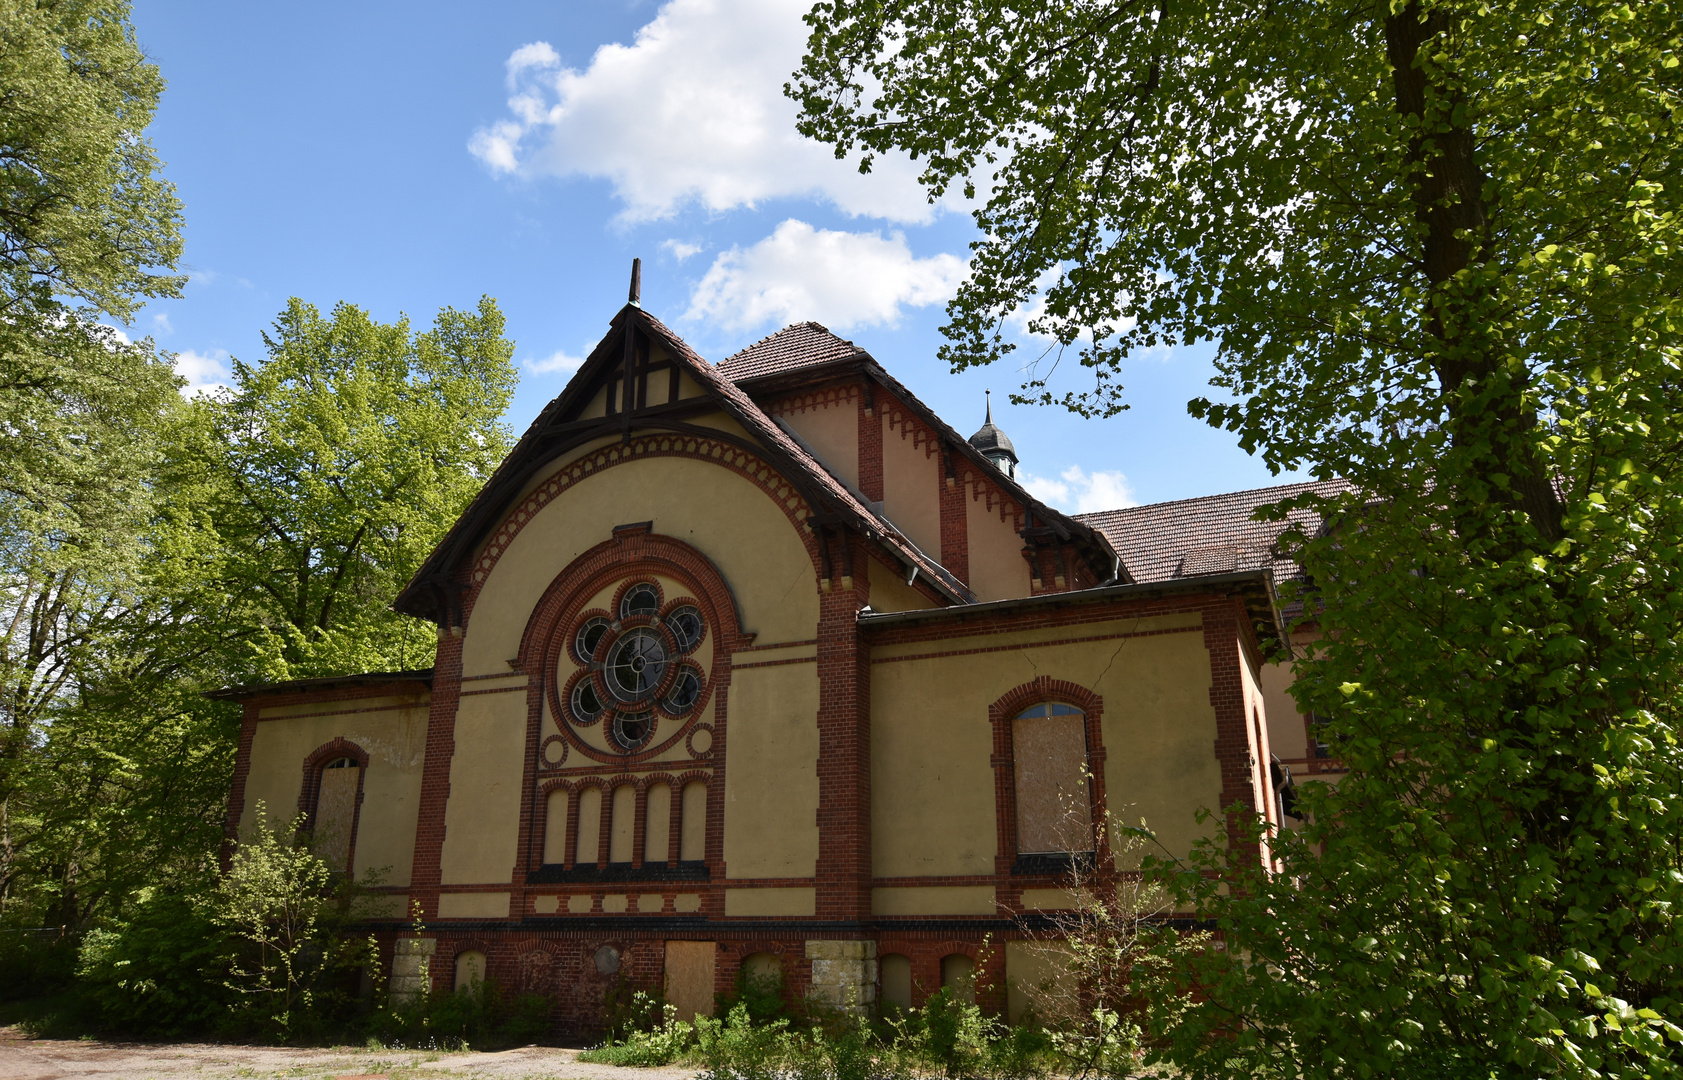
[{"x": 1438, "y": 245}]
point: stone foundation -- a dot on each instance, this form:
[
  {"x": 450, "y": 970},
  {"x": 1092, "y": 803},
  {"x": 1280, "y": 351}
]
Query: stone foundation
[
  {"x": 844, "y": 974},
  {"x": 411, "y": 969}
]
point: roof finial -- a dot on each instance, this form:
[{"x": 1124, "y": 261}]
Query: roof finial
[
  {"x": 637, "y": 282},
  {"x": 989, "y": 395}
]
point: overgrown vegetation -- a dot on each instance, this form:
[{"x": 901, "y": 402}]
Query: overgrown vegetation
[{"x": 1438, "y": 245}]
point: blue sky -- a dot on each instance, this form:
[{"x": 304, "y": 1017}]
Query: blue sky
[{"x": 409, "y": 156}]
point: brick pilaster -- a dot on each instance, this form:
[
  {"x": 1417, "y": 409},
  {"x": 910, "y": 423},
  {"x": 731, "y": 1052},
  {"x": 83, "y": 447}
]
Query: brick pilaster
[
  {"x": 435, "y": 775},
  {"x": 844, "y": 750},
  {"x": 1224, "y": 629},
  {"x": 955, "y": 519},
  {"x": 870, "y": 443}
]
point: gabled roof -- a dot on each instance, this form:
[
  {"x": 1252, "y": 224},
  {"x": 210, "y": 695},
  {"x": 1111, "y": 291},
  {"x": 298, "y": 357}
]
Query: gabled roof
[
  {"x": 557, "y": 428},
  {"x": 1206, "y": 536},
  {"x": 802, "y": 345},
  {"x": 809, "y": 352}
]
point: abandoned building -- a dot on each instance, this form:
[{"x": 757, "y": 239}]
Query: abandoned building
[{"x": 761, "y": 666}]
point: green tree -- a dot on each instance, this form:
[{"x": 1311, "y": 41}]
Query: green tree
[
  {"x": 1439, "y": 247},
  {"x": 87, "y": 230},
  {"x": 333, "y": 468}
]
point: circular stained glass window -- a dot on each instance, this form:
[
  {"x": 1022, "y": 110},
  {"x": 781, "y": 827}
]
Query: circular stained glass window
[
  {"x": 585, "y": 705},
  {"x": 686, "y": 626},
  {"x": 631, "y": 730},
  {"x": 642, "y": 599},
  {"x": 685, "y": 692},
  {"x": 636, "y": 664},
  {"x": 589, "y": 636}
]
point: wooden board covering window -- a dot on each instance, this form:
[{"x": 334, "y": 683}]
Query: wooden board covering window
[
  {"x": 335, "y": 816},
  {"x": 1053, "y": 810}
]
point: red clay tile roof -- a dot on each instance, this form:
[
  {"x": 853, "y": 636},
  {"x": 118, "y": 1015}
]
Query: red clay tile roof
[
  {"x": 791, "y": 348},
  {"x": 1209, "y": 535}
]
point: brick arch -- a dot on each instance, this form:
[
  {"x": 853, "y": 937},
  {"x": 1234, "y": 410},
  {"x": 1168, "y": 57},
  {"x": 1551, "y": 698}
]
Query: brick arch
[
  {"x": 1000, "y": 714},
  {"x": 332, "y": 750},
  {"x": 719, "y": 451}
]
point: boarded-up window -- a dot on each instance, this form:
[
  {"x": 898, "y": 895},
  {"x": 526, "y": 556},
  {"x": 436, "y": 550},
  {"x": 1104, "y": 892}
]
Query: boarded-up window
[
  {"x": 1054, "y": 814},
  {"x": 590, "y": 825},
  {"x": 657, "y": 824},
  {"x": 555, "y": 827},
  {"x": 689, "y": 978},
  {"x": 624, "y": 833},
  {"x": 336, "y": 812},
  {"x": 693, "y": 842},
  {"x": 896, "y": 980}
]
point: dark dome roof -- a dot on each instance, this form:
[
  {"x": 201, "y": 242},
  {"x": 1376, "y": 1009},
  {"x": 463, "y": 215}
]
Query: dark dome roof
[{"x": 991, "y": 438}]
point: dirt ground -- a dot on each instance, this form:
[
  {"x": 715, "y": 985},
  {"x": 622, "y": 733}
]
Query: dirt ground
[{"x": 23, "y": 1058}]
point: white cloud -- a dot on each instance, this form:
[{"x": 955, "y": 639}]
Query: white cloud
[
  {"x": 692, "y": 111},
  {"x": 161, "y": 323},
  {"x": 1077, "y": 491},
  {"x": 842, "y": 279},
  {"x": 204, "y": 372},
  {"x": 558, "y": 361},
  {"x": 680, "y": 250}
]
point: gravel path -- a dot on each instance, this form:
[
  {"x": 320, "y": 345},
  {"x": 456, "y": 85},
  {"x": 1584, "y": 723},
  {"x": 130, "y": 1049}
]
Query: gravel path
[{"x": 23, "y": 1058}]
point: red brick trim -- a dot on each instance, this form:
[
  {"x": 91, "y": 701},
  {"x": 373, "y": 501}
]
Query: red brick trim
[
  {"x": 844, "y": 752},
  {"x": 631, "y": 554},
  {"x": 721, "y": 452},
  {"x": 955, "y": 519},
  {"x": 1059, "y": 643},
  {"x": 435, "y": 775},
  {"x": 1000, "y": 714},
  {"x": 870, "y": 444},
  {"x": 1225, "y": 626},
  {"x": 236, "y": 795}
]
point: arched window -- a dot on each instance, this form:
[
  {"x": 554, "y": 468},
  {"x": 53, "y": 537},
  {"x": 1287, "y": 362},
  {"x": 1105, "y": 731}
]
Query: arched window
[
  {"x": 958, "y": 977},
  {"x": 335, "y": 812},
  {"x": 1049, "y": 753},
  {"x": 470, "y": 969}
]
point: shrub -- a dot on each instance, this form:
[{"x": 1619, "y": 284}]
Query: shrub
[
  {"x": 160, "y": 971},
  {"x": 644, "y": 1045}
]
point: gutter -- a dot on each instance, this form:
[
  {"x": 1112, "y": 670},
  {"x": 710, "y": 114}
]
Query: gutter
[{"x": 1212, "y": 583}]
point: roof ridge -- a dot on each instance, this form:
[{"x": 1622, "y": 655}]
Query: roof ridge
[{"x": 1206, "y": 498}]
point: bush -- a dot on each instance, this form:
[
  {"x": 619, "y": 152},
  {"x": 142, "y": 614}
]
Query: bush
[
  {"x": 160, "y": 971},
  {"x": 643, "y": 1045},
  {"x": 477, "y": 1017}
]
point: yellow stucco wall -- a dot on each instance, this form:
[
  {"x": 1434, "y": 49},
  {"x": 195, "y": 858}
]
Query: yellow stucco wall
[
  {"x": 394, "y": 733},
  {"x": 931, "y": 740},
  {"x": 934, "y": 900},
  {"x": 776, "y": 901},
  {"x": 832, "y": 430},
  {"x": 731, "y": 521},
  {"x": 910, "y": 495},
  {"x": 771, "y": 773},
  {"x": 889, "y": 591},
  {"x": 482, "y": 820},
  {"x": 998, "y": 570}
]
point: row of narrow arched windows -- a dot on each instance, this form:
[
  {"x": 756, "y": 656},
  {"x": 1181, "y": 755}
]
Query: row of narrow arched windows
[{"x": 668, "y": 823}]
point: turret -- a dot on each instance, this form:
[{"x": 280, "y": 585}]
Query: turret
[{"x": 994, "y": 445}]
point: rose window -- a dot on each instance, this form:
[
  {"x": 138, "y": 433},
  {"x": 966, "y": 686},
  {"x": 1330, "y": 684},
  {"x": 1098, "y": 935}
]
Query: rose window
[{"x": 637, "y": 667}]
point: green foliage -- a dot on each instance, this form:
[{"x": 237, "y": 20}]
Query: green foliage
[
  {"x": 653, "y": 1035},
  {"x": 160, "y": 970},
  {"x": 1439, "y": 246},
  {"x": 87, "y": 229},
  {"x": 288, "y": 914},
  {"x": 761, "y": 993},
  {"x": 477, "y": 1017},
  {"x": 331, "y": 470}
]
